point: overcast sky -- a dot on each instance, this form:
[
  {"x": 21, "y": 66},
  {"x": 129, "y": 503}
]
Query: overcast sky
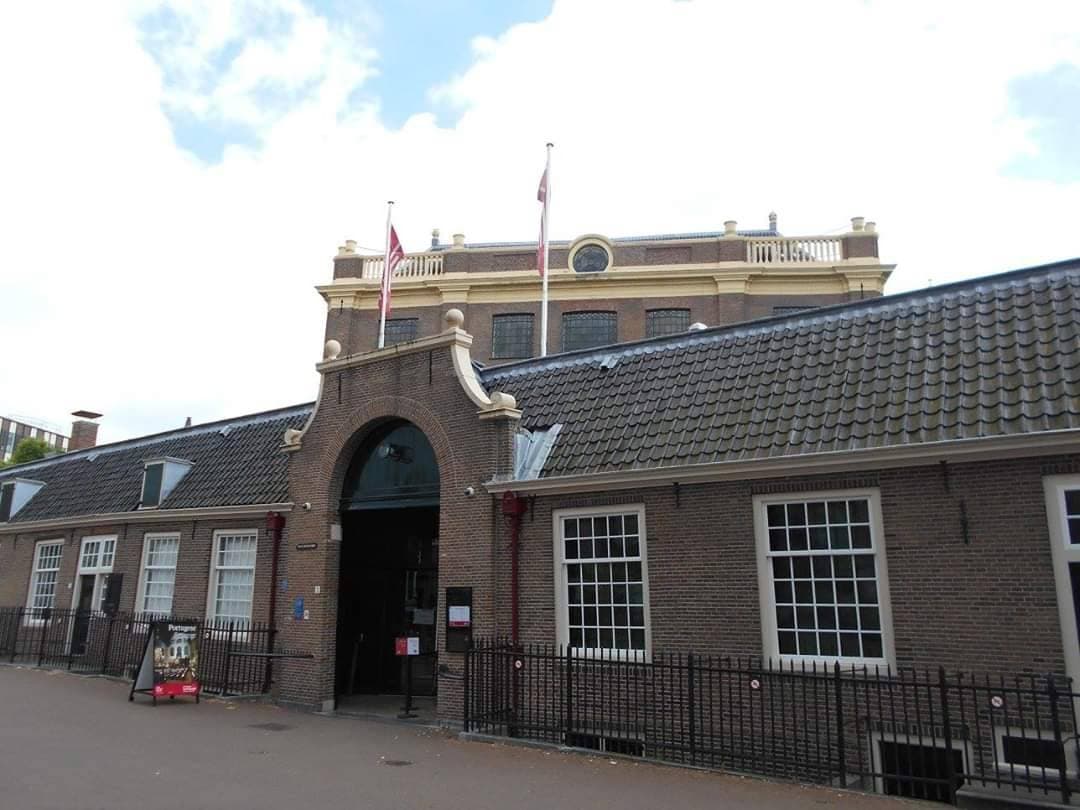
[{"x": 175, "y": 177}]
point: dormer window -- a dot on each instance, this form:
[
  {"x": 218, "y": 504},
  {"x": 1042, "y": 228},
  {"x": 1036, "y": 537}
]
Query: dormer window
[
  {"x": 160, "y": 477},
  {"x": 15, "y": 494}
]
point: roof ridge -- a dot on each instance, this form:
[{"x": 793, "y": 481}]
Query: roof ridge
[
  {"x": 764, "y": 324},
  {"x": 135, "y": 441}
]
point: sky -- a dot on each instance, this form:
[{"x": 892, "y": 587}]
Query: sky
[{"x": 175, "y": 177}]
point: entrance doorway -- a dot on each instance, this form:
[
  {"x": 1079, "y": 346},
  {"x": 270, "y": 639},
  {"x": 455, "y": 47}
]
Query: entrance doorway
[{"x": 388, "y": 584}]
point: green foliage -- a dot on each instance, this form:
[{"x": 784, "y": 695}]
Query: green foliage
[{"x": 30, "y": 449}]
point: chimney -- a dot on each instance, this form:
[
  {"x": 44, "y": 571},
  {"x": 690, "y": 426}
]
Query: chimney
[
  {"x": 459, "y": 240},
  {"x": 434, "y": 238},
  {"x": 83, "y": 430},
  {"x": 187, "y": 422},
  {"x": 772, "y": 221}
]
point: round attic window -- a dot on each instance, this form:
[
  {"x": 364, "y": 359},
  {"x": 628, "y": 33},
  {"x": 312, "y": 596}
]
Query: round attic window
[{"x": 591, "y": 259}]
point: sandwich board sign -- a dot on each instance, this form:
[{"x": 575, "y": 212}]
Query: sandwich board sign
[{"x": 170, "y": 662}]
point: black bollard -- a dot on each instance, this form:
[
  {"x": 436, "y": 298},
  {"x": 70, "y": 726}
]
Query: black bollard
[{"x": 406, "y": 710}]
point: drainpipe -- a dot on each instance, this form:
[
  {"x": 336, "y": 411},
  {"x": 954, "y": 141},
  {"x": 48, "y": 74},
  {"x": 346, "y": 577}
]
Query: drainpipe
[
  {"x": 514, "y": 509},
  {"x": 275, "y": 523}
]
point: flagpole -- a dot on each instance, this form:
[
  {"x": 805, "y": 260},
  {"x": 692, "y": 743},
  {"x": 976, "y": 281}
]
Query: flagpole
[
  {"x": 385, "y": 282},
  {"x": 547, "y": 268}
]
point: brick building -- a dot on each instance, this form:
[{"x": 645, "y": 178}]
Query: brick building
[
  {"x": 14, "y": 430},
  {"x": 602, "y": 290},
  {"x": 889, "y": 481}
]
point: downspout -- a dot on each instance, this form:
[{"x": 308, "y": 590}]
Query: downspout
[
  {"x": 275, "y": 522},
  {"x": 514, "y": 509}
]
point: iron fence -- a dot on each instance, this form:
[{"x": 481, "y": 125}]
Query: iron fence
[
  {"x": 918, "y": 733},
  {"x": 113, "y": 644}
]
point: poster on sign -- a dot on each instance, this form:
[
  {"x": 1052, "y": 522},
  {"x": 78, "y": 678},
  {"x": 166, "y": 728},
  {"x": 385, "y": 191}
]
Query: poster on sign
[{"x": 170, "y": 662}]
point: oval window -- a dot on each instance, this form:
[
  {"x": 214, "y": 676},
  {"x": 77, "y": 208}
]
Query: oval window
[{"x": 591, "y": 259}]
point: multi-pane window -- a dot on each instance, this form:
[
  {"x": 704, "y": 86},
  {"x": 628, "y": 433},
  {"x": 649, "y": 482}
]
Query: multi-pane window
[
  {"x": 1072, "y": 515},
  {"x": 822, "y": 573},
  {"x": 660, "y": 322},
  {"x": 583, "y": 330},
  {"x": 46, "y": 572},
  {"x": 603, "y": 590},
  {"x": 233, "y": 581},
  {"x": 401, "y": 330},
  {"x": 512, "y": 335},
  {"x": 97, "y": 554},
  {"x": 160, "y": 552}
]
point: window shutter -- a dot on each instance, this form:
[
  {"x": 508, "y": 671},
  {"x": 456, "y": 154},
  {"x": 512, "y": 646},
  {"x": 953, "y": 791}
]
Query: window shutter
[
  {"x": 7, "y": 491},
  {"x": 151, "y": 494}
]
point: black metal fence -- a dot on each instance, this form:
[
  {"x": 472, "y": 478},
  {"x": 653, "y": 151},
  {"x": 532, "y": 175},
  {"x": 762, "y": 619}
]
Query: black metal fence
[
  {"x": 924, "y": 734},
  {"x": 99, "y": 643}
]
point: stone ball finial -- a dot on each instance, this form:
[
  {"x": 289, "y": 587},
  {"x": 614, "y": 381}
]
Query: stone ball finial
[
  {"x": 454, "y": 318},
  {"x": 332, "y": 350}
]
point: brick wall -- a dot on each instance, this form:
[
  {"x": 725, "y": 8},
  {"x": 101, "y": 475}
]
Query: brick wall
[
  {"x": 987, "y": 604},
  {"x": 357, "y": 330},
  {"x": 192, "y": 570},
  {"x": 419, "y": 387}
]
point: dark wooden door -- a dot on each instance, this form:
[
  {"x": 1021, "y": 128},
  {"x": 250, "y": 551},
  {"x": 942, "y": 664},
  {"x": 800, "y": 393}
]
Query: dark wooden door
[{"x": 81, "y": 629}]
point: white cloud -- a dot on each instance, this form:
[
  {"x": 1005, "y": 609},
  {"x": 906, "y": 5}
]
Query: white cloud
[{"x": 152, "y": 286}]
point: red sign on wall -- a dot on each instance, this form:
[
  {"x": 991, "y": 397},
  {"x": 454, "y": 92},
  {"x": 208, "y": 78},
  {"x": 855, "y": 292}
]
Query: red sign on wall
[{"x": 407, "y": 645}]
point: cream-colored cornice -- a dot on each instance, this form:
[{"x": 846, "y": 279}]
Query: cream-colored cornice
[
  {"x": 964, "y": 450},
  {"x": 621, "y": 282},
  {"x": 145, "y": 516}
]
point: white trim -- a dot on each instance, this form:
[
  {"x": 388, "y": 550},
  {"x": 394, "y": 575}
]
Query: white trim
[
  {"x": 901, "y": 738},
  {"x": 1063, "y": 553},
  {"x": 98, "y": 572},
  {"x": 33, "y": 577},
  {"x": 140, "y": 590},
  {"x": 211, "y": 601},
  {"x": 562, "y": 617},
  {"x": 1048, "y": 443},
  {"x": 766, "y": 596},
  {"x": 147, "y": 516}
]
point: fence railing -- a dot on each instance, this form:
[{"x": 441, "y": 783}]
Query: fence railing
[
  {"x": 794, "y": 250},
  {"x": 99, "y": 643},
  {"x": 923, "y": 734},
  {"x": 415, "y": 265}
]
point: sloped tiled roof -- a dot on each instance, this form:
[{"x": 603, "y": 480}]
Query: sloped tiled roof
[
  {"x": 235, "y": 462},
  {"x": 994, "y": 356}
]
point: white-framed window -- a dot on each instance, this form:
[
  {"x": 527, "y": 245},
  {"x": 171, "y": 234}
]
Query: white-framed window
[
  {"x": 1023, "y": 749},
  {"x": 823, "y": 582},
  {"x": 1062, "y": 493},
  {"x": 95, "y": 564},
  {"x": 46, "y": 574},
  {"x": 601, "y": 581},
  {"x": 232, "y": 580},
  {"x": 157, "y": 577}
]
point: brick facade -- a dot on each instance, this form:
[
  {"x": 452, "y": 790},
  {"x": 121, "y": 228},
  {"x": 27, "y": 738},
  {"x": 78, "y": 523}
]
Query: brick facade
[
  {"x": 357, "y": 329},
  {"x": 192, "y": 568}
]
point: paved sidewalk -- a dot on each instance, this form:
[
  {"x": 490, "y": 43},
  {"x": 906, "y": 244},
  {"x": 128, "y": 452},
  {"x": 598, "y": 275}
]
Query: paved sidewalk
[{"x": 75, "y": 743}]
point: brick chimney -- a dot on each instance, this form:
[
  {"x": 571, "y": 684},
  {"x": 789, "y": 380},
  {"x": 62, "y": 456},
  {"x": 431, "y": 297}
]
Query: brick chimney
[{"x": 83, "y": 430}]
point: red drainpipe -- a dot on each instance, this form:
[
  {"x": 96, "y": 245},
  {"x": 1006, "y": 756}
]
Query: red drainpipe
[
  {"x": 275, "y": 523},
  {"x": 514, "y": 509}
]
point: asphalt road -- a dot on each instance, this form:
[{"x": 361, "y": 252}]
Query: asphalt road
[{"x": 77, "y": 743}]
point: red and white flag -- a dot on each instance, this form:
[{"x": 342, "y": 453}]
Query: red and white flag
[
  {"x": 395, "y": 255},
  {"x": 541, "y": 247}
]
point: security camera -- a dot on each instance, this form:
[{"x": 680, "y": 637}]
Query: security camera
[
  {"x": 470, "y": 492},
  {"x": 306, "y": 506}
]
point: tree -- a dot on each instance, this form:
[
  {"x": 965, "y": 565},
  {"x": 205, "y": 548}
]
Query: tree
[{"x": 30, "y": 449}]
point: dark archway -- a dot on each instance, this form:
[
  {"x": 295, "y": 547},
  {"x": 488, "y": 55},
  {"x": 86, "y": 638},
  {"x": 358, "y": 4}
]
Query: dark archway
[{"x": 389, "y": 561}]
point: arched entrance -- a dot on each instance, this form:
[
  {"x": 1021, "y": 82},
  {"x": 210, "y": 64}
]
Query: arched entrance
[{"x": 389, "y": 562}]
